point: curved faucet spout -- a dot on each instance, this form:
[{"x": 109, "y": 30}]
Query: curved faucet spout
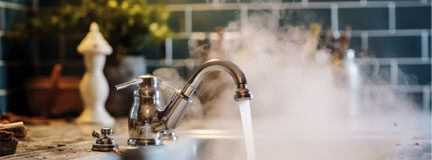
[
  {"x": 218, "y": 65},
  {"x": 177, "y": 107}
]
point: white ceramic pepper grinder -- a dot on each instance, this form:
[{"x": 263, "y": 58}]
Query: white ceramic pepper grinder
[{"x": 94, "y": 86}]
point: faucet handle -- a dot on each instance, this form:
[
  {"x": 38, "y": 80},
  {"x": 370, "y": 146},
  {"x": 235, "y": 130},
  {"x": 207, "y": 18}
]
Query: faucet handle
[
  {"x": 96, "y": 134},
  {"x": 128, "y": 83},
  {"x": 107, "y": 131}
]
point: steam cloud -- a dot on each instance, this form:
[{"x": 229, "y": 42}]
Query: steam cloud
[{"x": 300, "y": 105}]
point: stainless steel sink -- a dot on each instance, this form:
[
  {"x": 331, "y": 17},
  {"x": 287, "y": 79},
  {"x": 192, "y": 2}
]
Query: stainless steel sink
[
  {"x": 191, "y": 145},
  {"x": 222, "y": 144}
]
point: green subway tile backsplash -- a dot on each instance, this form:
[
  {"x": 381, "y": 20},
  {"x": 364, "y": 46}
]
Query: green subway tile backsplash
[
  {"x": 176, "y": 21},
  {"x": 416, "y": 97},
  {"x": 1, "y": 48},
  {"x": 368, "y": 18},
  {"x": 180, "y": 49},
  {"x": 416, "y": 74},
  {"x": 291, "y": 0},
  {"x": 391, "y": 0},
  {"x": 22, "y": 2},
  {"x": 392, "y": 47},
  {"x": 355, "y": 43},
  {"x": 11, "y": 16},
  {"x": 3, "y": 104},
  {"x": 207, "y": 21},
  {"x": 430, "y": 46},
  {"x": 259, "y": 12},
  {"x": 305, "y": 16},
  {"x": 361, "y": 19},
  {"x": 3, "y": 77},
  {"x": 413, "y": 18},
  {"x": 153, "y": 52},
  {"x": 237, "y": 1},
  {"x": 182, "y": 71},
  {"x": 332, "y": 0}
]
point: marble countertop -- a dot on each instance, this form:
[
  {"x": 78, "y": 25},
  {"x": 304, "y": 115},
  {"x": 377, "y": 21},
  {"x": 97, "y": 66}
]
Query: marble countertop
[{"x": 62, "y": 140}]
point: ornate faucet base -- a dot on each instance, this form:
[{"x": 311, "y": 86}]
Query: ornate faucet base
[
  {"x": 144, "y": 142},
  {"x": 105, "y": 147},
  {"x": 104, "y": 143}
]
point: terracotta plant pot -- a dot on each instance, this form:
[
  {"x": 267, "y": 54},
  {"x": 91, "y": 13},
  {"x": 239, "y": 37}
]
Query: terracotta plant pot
[{"x": 61, "y": 100}]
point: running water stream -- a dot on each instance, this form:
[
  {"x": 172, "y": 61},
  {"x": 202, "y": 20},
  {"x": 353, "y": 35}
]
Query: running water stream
[{"x": 246, "y": 117}]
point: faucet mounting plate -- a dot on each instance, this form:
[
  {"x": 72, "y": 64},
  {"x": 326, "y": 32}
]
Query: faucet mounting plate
[{"x": 144, "y": 142}]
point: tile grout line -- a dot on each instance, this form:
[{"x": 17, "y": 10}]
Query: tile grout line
[
  {"x": 364, "y": 40},
  {"x": 426, "y": 100},
  {"x": 424, "y": 45},
  {"x": 5, "y": 63},
  {"x": 5, "y": 92},
  {"x": 363, "y": 2},
  {"x": 10, "y": 5},
  {"x": 334, "y": 19},
  {"x": 188, "y": 19},
  {"x": 354, "y": 33},
  {"x": 394, "y": 72},
  {"x": 386, "y": 33},
  {"x": 392, "y": 17},
  {"x": 276, "y": 15},
  {"x": 3, "y": 19},
  {"x": 304, "y": 2},
  {"x": 400, "y": 88},
  {"x": 290, "y": 5},
  {"x": 243, "y": 17},
  {"x": 153, "y": 62},
  {"x": 168, "y": 51}
]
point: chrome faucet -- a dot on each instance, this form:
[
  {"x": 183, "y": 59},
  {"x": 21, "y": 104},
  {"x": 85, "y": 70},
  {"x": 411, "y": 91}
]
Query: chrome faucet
[{"x": 148, "y": 121}]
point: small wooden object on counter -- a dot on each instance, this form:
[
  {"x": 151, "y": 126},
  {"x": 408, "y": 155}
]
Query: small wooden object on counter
[
  {"x": 17, "y": 128},
  {"x": 8, "y": 134},
  {"x": 6, "y": 118},
  {"x": 8, "y": 143}
]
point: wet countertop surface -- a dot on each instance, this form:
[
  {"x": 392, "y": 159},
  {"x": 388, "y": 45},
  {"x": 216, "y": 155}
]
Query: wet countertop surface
[
  {"x": 62, "y": 140},
  {"x": 66, "y": 140}
]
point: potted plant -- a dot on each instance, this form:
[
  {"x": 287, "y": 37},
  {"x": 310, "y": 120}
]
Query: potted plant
[{"x": 128, "y": 25}]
